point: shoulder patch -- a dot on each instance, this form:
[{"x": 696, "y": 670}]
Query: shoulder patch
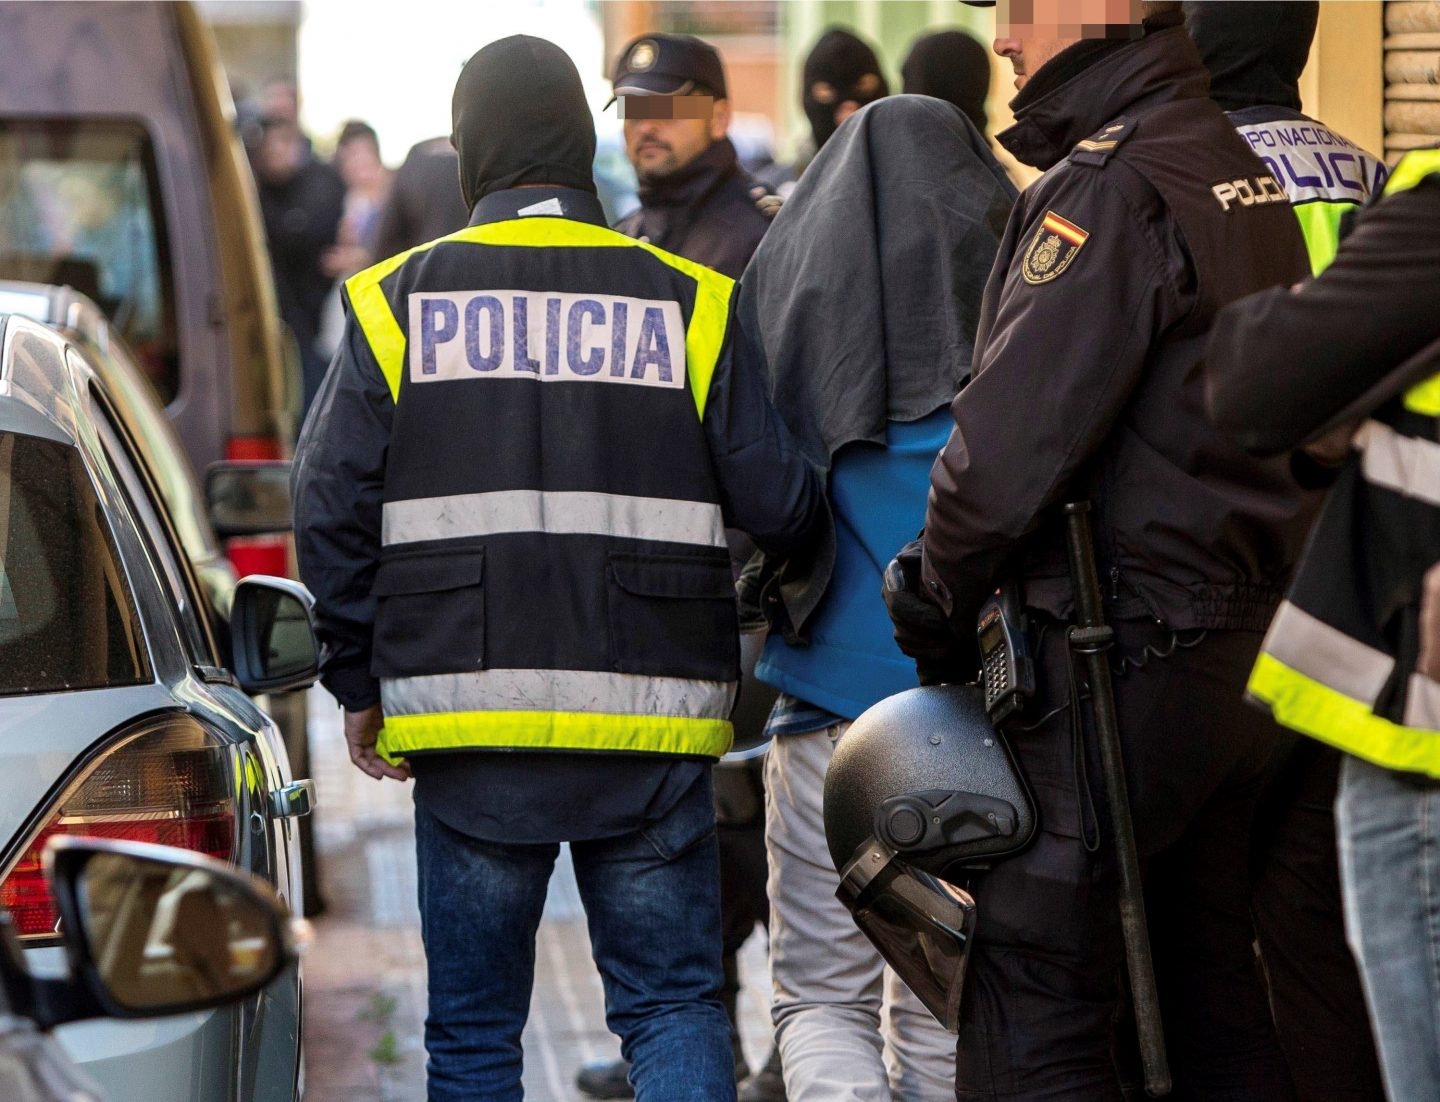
[
  {"x": 1056, "y": 243},
  {"x": 1100, "y": 146}
]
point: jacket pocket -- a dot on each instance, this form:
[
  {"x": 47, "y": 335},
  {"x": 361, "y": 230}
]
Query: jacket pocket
[
  {"x": 673, "y": 616},
  {"x": 429, "y": 613}
]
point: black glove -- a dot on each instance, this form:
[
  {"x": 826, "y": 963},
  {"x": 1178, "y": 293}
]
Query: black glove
[{"x": 922, "y": 630}]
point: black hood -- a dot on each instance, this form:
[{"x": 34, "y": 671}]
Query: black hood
[
  {"x": 840, "y": 67},
  {"x": 1255, "y": 51},
  {"x": 950, "y": 65},
  {"x": 520, "y": 117}
]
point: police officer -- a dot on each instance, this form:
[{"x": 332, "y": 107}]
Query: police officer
[
  {"x": 513, "y": 491},
  {"x": 1255, "y": 54},
  {"x": 698, "y": 202},
  {"x": 1351, "y": 656},
  {"x": 1152, "y": 214},
  {"x": 695, "y": 198}
]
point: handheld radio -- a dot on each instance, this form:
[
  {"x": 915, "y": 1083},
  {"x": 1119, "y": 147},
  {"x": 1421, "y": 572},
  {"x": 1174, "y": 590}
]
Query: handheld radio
[{"x": 1007, "y": 672}]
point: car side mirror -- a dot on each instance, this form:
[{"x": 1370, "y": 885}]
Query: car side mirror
[
  {"x": 249, "y": 498},
  {"x": 272, "y": 636},
  {"x": 151, "y": 930}
]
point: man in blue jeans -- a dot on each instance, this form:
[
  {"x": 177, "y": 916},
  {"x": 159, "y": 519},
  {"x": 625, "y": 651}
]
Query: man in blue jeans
[{"x": 513, "y": 491}]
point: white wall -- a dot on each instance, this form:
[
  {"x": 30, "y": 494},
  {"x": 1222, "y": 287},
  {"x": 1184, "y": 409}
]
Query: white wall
[{"x": 393, "y": 63}]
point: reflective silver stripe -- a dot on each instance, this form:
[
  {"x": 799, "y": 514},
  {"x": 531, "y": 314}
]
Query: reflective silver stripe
[
  {"x": 589, "y": 514},
  {"x": 1406, "y": 464},
  {"x": 1327, "y": 654},
  {"x": 558, "y": 691},
  {"x": 1422, "y": 703}
]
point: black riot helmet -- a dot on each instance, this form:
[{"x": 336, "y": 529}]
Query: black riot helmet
[{"x": 921, "y": 789}]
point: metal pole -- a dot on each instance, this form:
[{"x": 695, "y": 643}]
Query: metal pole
[{"x": 1092, "y": 638}]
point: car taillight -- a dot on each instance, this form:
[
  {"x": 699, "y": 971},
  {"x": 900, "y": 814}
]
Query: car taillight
[
  {"x": 170, "y": 781},
  {"x": 257, "y": 554}
]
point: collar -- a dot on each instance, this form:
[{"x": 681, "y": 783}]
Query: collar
[
  {"x": 546, "y": 201},
  {"x": 1161, "y": 67},
  {"x": 690, "y": 184}
]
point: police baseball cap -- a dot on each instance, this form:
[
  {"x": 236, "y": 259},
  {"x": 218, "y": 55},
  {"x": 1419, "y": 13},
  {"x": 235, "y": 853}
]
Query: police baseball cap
[{"x": 669, "y": 65}]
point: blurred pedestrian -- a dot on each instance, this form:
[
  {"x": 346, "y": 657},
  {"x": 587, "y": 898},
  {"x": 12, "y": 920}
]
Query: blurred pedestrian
[
  {"x": 1350, "y": 657},
  {"x": 697, "y": 202},
  {"x": 865, "y": 295},
  {"x": 367, "y": 186},
  {"x": 1256, "y": 53},
  {"x": 953, "y": 66},
  {"x": 1087, "y": 385},
  {"x": 514, "y": 488},
  {"x": 302, "y": 201},
  {"x": 425, "y": 202}
]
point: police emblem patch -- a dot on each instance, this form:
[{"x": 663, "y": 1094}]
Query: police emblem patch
[
  {"x": 1056, "y": 243},
  {"x": 642, "y": 56}
]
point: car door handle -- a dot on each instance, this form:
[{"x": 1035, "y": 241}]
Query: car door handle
[{"x": 293, "y": 800}]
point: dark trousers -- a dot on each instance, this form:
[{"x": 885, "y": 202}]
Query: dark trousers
[
  {"x": 1314, "y": 980},
  {"x": 740, "y": 812},
  {"x": 1045, "y": 987}
]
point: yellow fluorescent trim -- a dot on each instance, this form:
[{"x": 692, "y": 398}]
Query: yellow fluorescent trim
[
  {"x": 1424, "y": 398},
  {"x": 1413, "y": 167},
  {"x": 709, "y": 738},
  {"x": 1313, "y": 708}
]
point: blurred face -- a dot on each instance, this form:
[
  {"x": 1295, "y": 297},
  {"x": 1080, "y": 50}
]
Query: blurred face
[
  {"x": 1031, "y": 32},
  {"x": 660, "y": 147},
  {"x": 358, "y": 162}
]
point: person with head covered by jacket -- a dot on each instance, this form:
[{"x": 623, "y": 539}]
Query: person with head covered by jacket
[{"x": 512, "y": 496}]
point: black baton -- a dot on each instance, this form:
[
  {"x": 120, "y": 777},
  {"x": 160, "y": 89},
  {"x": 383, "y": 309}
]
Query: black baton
[{"x": 1091, "y": 638}]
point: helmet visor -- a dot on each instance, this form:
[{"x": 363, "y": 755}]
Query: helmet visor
[{"x": 922, "y": 926}]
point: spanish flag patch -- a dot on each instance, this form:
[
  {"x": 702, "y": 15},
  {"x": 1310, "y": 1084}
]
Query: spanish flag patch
[{"x": 1054, "y": 246}]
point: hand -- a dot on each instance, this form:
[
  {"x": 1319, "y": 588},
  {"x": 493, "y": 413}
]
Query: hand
[
  {"x": 362, "y": 729},
  {"x": 922, "y": 630},
  {"x": 1334, "y": 447},
  {"x": 1429, "y": 664}
]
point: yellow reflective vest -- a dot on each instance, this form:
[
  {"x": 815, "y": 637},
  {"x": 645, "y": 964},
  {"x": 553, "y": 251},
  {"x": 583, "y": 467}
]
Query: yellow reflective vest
[{"x": 1338, "y": 660}]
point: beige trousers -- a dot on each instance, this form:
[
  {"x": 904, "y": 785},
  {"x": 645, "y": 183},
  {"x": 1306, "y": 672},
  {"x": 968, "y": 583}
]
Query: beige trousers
[{"x": 848, "y": 1029}]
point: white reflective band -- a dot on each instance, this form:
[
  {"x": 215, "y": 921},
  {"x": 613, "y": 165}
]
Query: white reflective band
[
  {"x": 558, "y": 691},
  {"x": 1406, "y": 464},
  {"x": 1422, "y": 703},
  {"x": 1325, "y": 654},
  {"x": 579, "y": 514}
]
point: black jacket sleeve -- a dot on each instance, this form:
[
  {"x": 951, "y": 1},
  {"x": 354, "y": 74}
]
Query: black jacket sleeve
[
  {"x": 1058, "y": 363},
  {"x": 768, "y": 489},
  {"x": 337, "y": 489},
  {"x": 1282, "y": 364}
]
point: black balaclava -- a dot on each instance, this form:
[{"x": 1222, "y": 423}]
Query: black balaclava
[
  {"x": 841, "y": 67},
  {"x": 520, "y": 117},
  {"x": 1255, "y": 51},
  {"x": 950, "y": 65}
]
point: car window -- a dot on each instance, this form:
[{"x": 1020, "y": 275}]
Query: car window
[
  {"x": 67, "y": 617},
  {"x": 157, "y": 531},
  {"x": 159, "y": 447},
  {"x": 80, "y": 205}
]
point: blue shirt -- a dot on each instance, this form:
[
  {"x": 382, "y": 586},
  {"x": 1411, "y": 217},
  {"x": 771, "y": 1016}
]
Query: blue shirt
[{"x": 878, "y": 497}]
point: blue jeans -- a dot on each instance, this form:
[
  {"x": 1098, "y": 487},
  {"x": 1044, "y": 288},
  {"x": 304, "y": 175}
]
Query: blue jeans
[
  {"x": 1389, "y": 828},
  {"x": 652, "y": 902}
]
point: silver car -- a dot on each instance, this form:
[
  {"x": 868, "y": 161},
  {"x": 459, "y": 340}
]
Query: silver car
[{"x": 122, "y": 717}]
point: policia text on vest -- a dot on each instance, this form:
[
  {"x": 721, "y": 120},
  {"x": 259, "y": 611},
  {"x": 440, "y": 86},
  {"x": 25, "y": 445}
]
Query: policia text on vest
[{"x": 547, "y": 337}]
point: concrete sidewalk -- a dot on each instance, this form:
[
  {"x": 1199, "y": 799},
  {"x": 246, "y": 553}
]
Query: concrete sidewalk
[{"x": 365, "y": 976}]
